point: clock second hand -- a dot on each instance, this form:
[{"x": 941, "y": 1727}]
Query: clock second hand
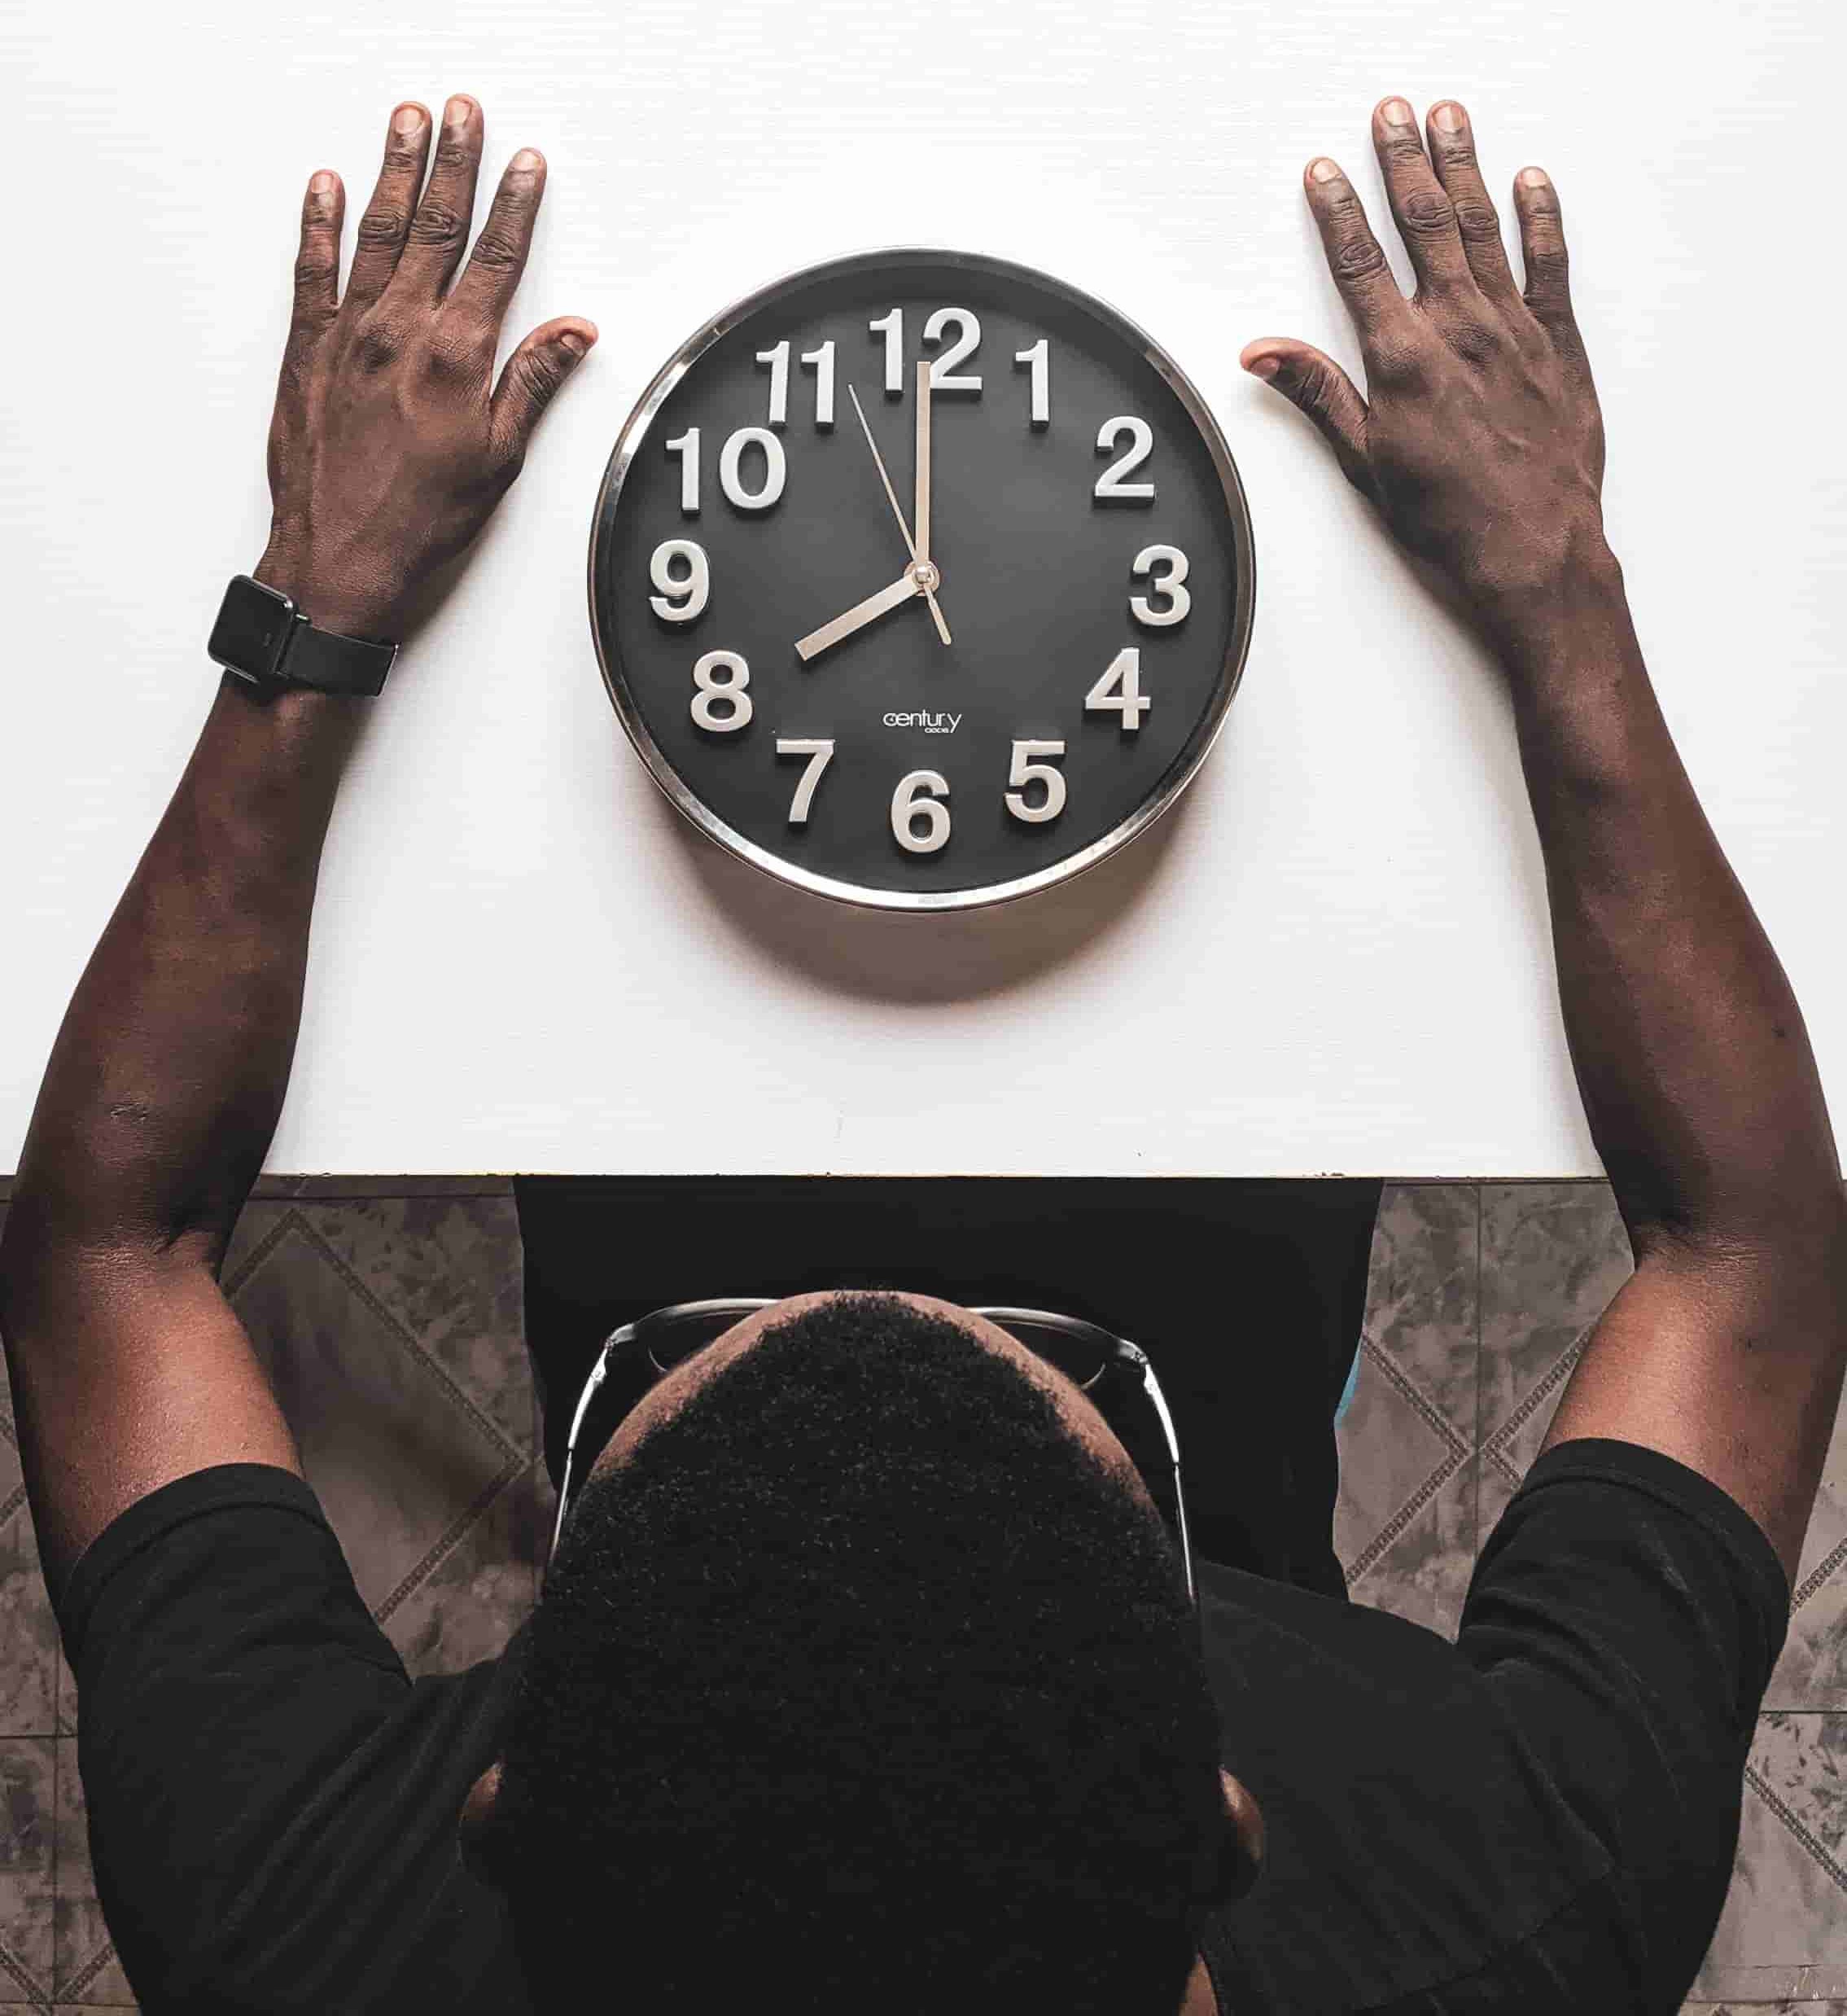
[{"x": 897, "y": 512}]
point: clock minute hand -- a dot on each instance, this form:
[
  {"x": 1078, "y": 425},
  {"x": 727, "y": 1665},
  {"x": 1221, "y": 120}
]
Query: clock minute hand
[
  {"x": 897, "y": 510},
  {"x": 908, "y": 584},
  {"x": 922, "y": 509}
]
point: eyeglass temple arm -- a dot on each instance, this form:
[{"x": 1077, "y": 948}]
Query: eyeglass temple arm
[
  {"x": 1152, "y": 1387},
  {"x": 598, "y": 1374}
]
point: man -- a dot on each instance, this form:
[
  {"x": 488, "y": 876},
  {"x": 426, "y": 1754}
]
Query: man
[{"x": 866, "y": 1674}]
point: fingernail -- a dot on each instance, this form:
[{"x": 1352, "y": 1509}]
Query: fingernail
[
  {"x": 1531, "y": 178},
  {"x": 1323, "y": 170},
  {"x": 407, "y": 119},
  {"x": 321, "y": 187},
  {"x": 528, "y": 160},
  {"x": 1395, "y": 112},
  {"x": 569, "y": 340},
  {"x": 455, "y": 112},
  {"x": 1447, "y": 117},
  {"x": 1264, "y": 367}
]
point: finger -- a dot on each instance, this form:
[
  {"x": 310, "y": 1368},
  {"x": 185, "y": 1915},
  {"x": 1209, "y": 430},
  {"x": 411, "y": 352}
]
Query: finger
[
  {"x": 1452, "y": 155},
  {"x": 1313, "y": 383},
  {"x": 1360, "y": 268},
  {"x": 530, "y": 379},
  {"x": 317, "y": 295},
  {"x": 494, "y": 266},
  {"x": 1549, "y": 267},
  {"x": 382, "y": 230},
  {"x": 439, "y": 230},
  {"x": 1420, "y": 205},
  {"x": 317, "y": 258}
]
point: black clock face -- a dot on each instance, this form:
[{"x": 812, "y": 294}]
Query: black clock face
[{"x": 922, "y": 579}]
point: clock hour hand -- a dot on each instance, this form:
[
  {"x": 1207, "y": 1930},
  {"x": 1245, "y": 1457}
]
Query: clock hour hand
[
  {"x": 916, "y": 580},
  {"x": 897, "y": 511}
]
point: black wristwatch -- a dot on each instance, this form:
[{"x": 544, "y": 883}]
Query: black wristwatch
[{"x": 262, "y": 637}]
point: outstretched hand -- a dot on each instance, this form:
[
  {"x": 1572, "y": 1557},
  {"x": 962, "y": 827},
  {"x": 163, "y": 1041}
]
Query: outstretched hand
[
  {"x": 391, "y": 443},
  {"x": 1479, "y": 438}
]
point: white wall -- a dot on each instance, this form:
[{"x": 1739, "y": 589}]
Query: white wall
[{"x": 1332, "y": 957}]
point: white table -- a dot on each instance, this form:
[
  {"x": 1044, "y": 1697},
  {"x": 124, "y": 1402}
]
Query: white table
[{"x": 1332, "y": 958}]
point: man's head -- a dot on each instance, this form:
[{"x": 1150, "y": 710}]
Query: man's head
[{"x": 865, "y": 1664}]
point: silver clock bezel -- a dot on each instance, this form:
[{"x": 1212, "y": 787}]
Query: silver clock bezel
[{"x": 1181, "y": 772}]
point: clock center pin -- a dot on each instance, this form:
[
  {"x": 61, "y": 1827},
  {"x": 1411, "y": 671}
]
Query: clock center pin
[{"x": 924, "y": 574}]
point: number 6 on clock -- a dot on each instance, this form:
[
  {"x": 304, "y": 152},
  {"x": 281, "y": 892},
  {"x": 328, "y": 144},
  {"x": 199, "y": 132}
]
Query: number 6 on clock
[{"x": 920, "y": 796}]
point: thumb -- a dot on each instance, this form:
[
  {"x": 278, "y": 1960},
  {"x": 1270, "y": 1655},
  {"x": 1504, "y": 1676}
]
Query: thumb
[
  {"x": 531, "y": 377},
  {"x": 1314, "y": 383}
]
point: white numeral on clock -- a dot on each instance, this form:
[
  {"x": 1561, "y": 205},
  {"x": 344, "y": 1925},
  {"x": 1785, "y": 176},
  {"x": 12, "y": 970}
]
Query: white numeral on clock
[
  {"x": 823, "y": 361},
  {"x": 686, "y": 447},
  {"x": 891, "y": 327},
  {"x": 942, "y": 374},
  {"x": 912, "y": 800},
  {"x": 1110, "y": 485},
  {"x": 820, "y": 754},
  {"x": 1040, "y": 358},
  {"x": 1026, "y": 771},
  {"x": 777, "y": 360},
  {"x": 682, "y": 596},
  {"x": 709, "y": 690},
  {"x": 776, "y": 469},
  {"x": 1170, "y": 585},
  {"x": 1119, "y": 691}
]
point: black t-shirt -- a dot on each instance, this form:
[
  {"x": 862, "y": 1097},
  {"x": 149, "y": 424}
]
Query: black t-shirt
[{"x": 1540, "y": 1815}]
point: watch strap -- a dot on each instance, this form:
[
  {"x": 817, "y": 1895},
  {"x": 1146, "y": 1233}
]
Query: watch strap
[{"x": 329, "y": 663}]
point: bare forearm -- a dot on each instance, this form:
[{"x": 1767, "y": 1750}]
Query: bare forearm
[
  {"x": 169, "y": 1073},
  {"x": 1725, "y": 1349},
  {"x": 1696, "y": 1073}
]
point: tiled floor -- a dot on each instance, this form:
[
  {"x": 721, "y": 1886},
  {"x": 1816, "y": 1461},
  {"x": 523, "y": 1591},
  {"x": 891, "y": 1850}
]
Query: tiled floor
[{"x": 390, "y": 1322}]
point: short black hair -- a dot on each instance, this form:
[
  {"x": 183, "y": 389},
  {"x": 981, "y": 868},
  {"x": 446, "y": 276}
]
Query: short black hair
[{"x": 861, "y": 1680}]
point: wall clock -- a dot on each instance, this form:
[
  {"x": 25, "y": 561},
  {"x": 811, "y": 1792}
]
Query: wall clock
[{"x": 922, "y": 579}]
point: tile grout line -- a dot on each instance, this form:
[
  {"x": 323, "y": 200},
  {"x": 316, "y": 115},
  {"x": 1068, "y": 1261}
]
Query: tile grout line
[
  {"x": 1805, "y": 1835},
  {"x": 57, "y": 1846},
  {"x": 1498, "y": 1443},
  {"x": 411, "y": 1342},
  {"x": 1382, "y": 1542},
  {"x": 1475, "y": 1516},
  {"x": 1822, "y": 1573},
  {"x": 1419, "y": 1403},
  {"x": 1445, "y": 1431},
  {"x": 447, "y": 1542}
]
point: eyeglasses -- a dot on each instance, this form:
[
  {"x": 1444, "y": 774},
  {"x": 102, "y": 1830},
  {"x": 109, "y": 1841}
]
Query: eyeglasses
[{"x": 1113, "y": 1374}]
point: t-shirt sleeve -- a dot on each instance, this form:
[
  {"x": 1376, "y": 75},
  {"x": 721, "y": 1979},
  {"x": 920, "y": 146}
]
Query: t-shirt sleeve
[
  {"x": 1626, "y": 1614},
  {"x": 267, "y": 1794}
]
